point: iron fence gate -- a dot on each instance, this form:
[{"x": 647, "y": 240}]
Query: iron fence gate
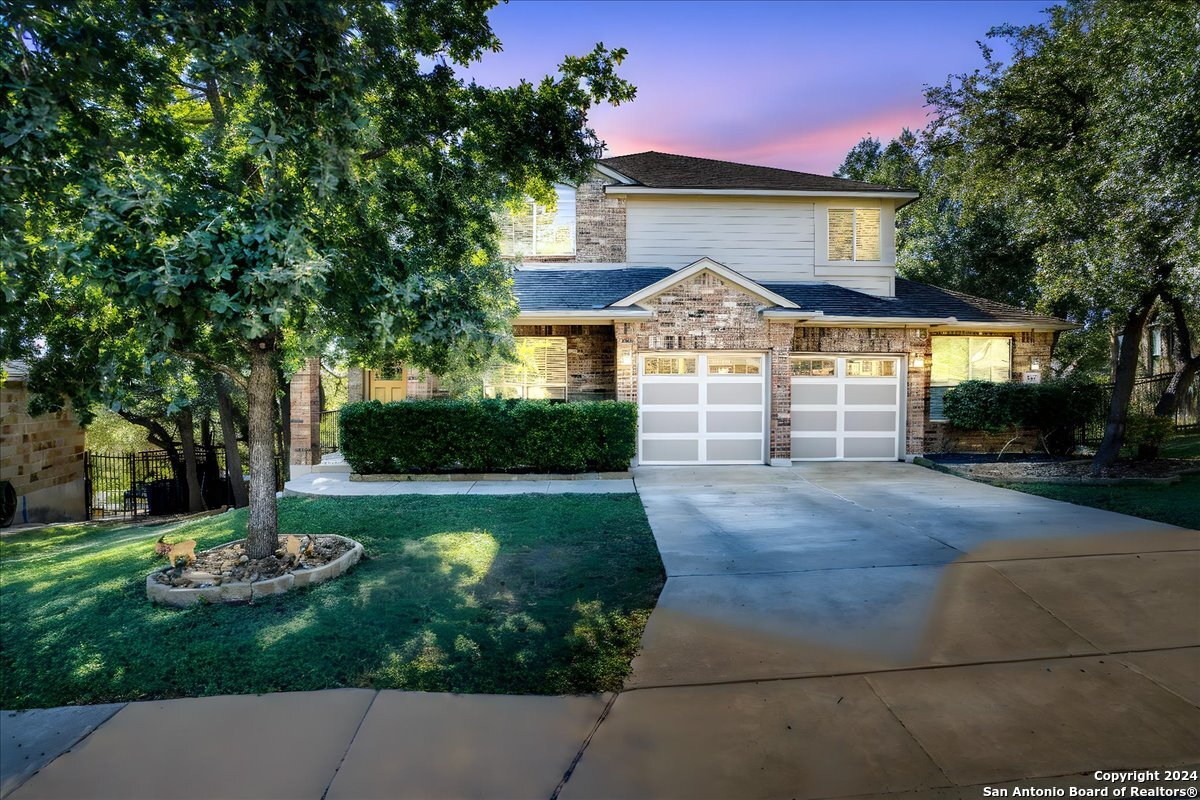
[
  {"x": 150, "y": 483},
  {"x": 1146, "y": 392}
]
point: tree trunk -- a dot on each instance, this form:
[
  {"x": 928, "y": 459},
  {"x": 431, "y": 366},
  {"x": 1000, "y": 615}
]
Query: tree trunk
[
  {"x": 233, "y": 458},
  {"x": 1186, "y": 364},
  {"x": 1123, "y": 380},
  {"x": 187, "y": 438},
  {"x": 262, "y": 528}
]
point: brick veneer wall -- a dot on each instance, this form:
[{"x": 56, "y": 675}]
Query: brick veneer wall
[
  {"x": 591, "y": 358},
  {"x": 42, "y": 457},
  {"x": 599, "y": 223},
  {"x": 306, "y": 414}
]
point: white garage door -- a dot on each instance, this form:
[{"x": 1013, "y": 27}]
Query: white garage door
[
  {"x": 845, "y": 407},
  {"x": 701, "y": 408}
]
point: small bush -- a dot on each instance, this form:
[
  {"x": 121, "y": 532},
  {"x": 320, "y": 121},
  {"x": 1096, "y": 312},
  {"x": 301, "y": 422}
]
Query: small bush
[
  {"x": 1054, "y": 410},
  {"x": 1147, "y": 433},
  {"x": 488, "y": 436}
]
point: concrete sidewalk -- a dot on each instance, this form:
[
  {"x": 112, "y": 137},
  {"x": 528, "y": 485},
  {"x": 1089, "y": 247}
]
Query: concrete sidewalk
[{"x": 335, "y": 484}]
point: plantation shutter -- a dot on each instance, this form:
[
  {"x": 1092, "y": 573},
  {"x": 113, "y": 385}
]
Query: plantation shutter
[
  {"x": 539, "y": 373},
  {"x": 841, "y": 234},
  {"x": 866, "y": 234}
]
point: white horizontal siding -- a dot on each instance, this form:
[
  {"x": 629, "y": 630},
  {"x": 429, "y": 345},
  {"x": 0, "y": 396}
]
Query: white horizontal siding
[{"x": 765, "y": 240}]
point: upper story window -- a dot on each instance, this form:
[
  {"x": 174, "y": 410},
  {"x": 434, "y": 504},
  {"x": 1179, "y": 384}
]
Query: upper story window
[
  {"x": 966, "y": 358},
  {"x": 535, "y": 230},
  {"x": 854, "y": 234}
]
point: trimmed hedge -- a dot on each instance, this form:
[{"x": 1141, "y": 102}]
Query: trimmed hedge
[
  {"x": 1055, "y": 409},
  {"x": 488, "y": 436}
]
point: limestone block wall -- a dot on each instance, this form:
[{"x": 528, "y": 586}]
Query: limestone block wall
[{"x": 43, "y": 459}]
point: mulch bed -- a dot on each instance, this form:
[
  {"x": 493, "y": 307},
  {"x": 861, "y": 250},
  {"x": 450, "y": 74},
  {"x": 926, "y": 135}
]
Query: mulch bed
[{"x": 230, "y": 564}]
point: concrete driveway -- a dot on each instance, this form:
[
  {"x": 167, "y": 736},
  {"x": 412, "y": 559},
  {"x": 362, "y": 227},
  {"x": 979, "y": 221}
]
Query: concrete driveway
[{"x": 850, "y": 629}]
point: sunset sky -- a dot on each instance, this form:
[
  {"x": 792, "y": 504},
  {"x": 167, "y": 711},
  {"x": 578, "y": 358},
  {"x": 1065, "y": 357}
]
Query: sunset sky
[{"x": 789, "y": 84}]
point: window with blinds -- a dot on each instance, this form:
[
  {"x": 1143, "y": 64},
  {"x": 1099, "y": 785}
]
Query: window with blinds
[
  {"x": 539, "y": 373},
  {"x": 966, "y": 358},
  {"x": 854, "y": 234},
  {"x": 537, "y": 230}
]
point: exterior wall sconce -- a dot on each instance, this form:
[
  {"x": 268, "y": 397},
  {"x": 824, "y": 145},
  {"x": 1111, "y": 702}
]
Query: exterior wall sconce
[
  {"x": 1036, "y": 366},
  {"x": 918, "y": 362},
  {"x": 626, "y": 360}
]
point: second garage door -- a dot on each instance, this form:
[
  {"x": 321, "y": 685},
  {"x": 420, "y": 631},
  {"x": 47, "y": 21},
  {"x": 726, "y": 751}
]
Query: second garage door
[
  {"x": 701, "y": 408},
  {"x": 846, "y": 407}
]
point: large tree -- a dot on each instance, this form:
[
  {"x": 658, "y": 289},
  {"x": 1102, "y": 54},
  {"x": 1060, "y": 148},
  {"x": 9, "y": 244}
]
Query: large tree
[
  {"x": 244, "y": 172},
  {"x": 1088, "y": 139},
  {"x": 940, "y": 238}
]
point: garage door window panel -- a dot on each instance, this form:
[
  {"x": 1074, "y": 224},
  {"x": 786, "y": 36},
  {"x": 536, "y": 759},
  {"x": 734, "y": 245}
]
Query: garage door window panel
[{"x": 845, "y": 407}]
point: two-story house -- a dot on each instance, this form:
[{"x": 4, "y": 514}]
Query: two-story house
[{"x": 753, "y": 314}]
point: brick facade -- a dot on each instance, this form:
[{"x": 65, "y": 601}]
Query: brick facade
[
  {"x": 42, "y": 457},
  {"x": 306, "y": 414},
  {"x": 599, "y": 223},
  {"x": 591, "y": 358}
]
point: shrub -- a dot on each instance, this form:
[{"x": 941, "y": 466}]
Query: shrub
[
  {"x": 1055, "y": 410},
  {"x": 1147, "y": 432},
  {"x": 488, "y": 436}
]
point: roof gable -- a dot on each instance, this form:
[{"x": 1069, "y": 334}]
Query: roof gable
[{"x": 706, "y": 265}]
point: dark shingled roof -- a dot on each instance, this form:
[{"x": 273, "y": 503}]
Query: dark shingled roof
[
  {"x": 567, "y": 289},
  {"x": 912, "y": 300},
  {"x": 669, "y": 171},
  {"x": 579, "y": 289}
]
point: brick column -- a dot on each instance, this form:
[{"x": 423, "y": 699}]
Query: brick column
[
  {"x": 917, "y": 345},
  {"x": 779, "y": 335},
  {"x": 627, "y": 352},
  {"x": 306, "y": 414}
]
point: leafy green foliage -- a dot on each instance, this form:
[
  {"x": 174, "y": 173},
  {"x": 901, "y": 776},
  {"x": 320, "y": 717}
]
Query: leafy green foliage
[
  {"x": 488, "y": 436},
  {"x": 1148, "y": 432},
  {"x": 528, "y": 594},
  {"x": 1055, "y": 409}
]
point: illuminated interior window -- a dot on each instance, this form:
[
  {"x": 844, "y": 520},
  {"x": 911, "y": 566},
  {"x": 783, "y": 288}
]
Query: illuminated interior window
[
  {"x": 854, "y": 234},
  {"x": 537, "y": 230},
  {"x": 539, "y": 373}
]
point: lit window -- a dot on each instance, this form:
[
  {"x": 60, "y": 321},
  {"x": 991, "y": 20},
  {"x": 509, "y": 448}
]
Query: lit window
[
  {"x": 870, "y": 368},
  {"x": 814, "y": 367},
  {"x": 539, "y": 373},
  {"x": 854, "y": 234},
  {"x": 669, "y": 365},
  {"x": 966, "y": 358},
  {"x": 536, "y": 230},
  {"x": 733, "y": 365}
]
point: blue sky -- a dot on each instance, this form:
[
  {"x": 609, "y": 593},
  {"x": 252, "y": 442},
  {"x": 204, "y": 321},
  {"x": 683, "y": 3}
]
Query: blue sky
[{"x": 790, "y": 84}]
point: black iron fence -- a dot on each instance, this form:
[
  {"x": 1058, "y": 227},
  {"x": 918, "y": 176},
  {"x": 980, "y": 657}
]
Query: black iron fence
[
  {"x": 329, "y": 432},
  {"x": 1146, "y": 393},
  {"x": 151, "y": 483}
]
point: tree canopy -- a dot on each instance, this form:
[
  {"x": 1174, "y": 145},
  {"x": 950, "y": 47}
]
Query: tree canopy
[{"x": 228, "y": 175}]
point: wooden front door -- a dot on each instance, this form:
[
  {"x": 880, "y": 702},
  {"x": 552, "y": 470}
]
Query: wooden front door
[{"x": 387, "y": 386}]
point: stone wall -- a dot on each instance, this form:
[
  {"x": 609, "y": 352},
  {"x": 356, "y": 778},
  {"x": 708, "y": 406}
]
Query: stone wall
[
  {"x": 43, "y": 459},
  {"x": 591, "y": 358}
]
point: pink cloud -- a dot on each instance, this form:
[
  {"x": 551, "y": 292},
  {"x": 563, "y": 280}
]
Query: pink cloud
[{"x": 819, "y": 149}]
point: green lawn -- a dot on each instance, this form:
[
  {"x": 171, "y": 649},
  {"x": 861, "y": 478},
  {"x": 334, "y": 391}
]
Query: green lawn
[
  {"x": 1182, "y": 447},
  {"x": 1176, "y": 503},
  {"x": 540, "y": 594}
]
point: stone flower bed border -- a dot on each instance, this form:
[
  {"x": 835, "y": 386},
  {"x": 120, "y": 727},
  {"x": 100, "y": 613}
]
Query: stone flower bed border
[
  {"x": 244, "y": 592},
  {"x": 1066, "y": 481}
]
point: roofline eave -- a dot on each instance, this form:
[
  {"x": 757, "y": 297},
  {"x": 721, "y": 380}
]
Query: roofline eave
[{"x": 653, "y": 190}]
